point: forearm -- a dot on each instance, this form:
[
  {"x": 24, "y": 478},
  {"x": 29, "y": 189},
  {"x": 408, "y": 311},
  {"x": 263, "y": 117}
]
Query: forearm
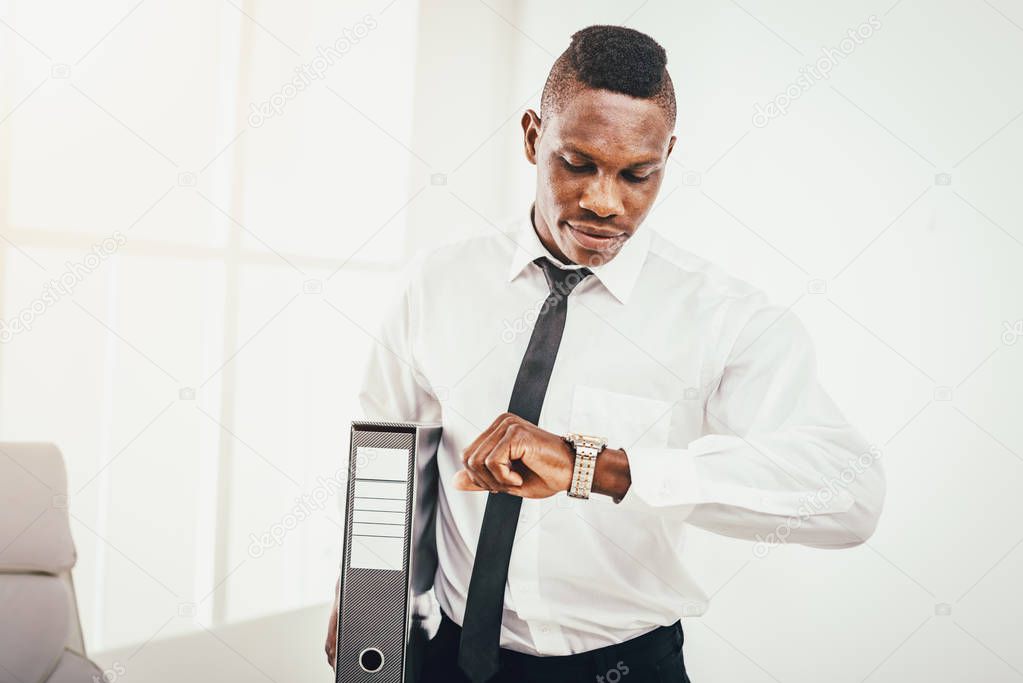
[{"x": 815, "y": 491}]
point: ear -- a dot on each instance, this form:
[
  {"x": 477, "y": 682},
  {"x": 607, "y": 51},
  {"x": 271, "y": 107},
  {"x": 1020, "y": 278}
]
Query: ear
[
  {"x": 671, "y": 146},
  {"x": 530, "y": 134}
]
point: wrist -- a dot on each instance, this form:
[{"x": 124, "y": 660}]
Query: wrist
[
  {"x": 569, "y": 466},
  {"x": 612, "y": 476}
]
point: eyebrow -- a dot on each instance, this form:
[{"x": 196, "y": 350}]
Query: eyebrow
[{"x": 637, "y": 164}]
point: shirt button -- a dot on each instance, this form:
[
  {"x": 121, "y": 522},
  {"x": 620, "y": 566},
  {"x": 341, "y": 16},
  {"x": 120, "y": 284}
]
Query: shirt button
[{"x": 545, "y": 629}]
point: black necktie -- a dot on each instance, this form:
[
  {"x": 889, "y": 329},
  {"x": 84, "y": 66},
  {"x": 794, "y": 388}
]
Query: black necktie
[{"x": 481, "y": 625}]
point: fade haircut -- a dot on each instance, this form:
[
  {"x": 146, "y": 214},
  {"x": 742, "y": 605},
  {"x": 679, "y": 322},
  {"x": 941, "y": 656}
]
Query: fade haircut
[{"x": 613, "y": 58}]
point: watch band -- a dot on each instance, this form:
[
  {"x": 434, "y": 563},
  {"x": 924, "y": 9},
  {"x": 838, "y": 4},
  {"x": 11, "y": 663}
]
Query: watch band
[{"x": 587, "y": 448}]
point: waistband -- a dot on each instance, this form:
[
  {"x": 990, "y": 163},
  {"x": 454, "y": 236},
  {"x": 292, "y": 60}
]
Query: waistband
[{"x": 635, "y": 652}]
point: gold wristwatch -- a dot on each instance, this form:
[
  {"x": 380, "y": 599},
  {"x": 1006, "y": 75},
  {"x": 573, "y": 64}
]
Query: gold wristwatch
[{"x": 587, "y": 448}]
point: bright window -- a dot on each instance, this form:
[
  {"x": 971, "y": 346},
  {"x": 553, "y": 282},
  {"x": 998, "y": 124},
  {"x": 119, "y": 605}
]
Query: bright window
[{"x": 183, "y": 187}]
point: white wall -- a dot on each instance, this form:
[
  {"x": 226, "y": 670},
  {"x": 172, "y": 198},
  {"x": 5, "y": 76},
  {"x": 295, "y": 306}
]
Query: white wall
[
  {"x": 906, "y": 284},
  {"x": 884, "y": 207}
]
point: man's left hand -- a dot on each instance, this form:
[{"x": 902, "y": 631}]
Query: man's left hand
[{"x": 515, "y": 456}]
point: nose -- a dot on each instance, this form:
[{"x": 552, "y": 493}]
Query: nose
[{"x": 601, "y": 197}]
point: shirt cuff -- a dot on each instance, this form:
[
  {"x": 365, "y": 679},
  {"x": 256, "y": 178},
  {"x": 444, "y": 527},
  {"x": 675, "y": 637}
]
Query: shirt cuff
[{"x": 662, "y": 478}]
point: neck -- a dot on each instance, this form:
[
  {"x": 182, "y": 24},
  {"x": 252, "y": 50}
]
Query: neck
[{"x": 542, "y": 231}]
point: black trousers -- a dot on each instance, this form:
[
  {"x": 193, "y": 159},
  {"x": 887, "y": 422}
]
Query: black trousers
[{"x": 654, "y": 657}]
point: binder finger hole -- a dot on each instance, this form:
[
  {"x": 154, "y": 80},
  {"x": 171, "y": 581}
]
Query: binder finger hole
[{"x": 371, "y": 660}]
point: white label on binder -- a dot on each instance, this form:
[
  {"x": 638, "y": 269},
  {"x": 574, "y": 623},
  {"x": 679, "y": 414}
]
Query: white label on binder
[
  {"x": 380, "y": 504},
  {"x": 381, "y": 463},
  {"x": 381, "y": 491},
  {"x": 390, "y": 530},
  {"x": 371, "y": 516},
  {"x": 374, "y": 552}
]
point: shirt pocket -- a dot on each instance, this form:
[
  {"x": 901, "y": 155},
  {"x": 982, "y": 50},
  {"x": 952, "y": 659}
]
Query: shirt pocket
[{"x": 626, "y": 420}]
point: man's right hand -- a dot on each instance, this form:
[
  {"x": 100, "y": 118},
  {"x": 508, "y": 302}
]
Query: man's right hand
[{"x": 331, "y": 644}]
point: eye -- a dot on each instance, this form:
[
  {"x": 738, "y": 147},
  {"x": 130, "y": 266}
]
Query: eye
[
  {"x": 632, "y": 178},
  {"x": 576, "y": 169}
]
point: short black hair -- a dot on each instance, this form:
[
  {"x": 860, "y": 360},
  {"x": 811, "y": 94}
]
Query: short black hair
[{"x": 612, "y": 58}]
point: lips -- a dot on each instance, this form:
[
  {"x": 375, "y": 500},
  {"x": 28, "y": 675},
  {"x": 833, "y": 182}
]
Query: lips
[{"x": 591, "y": 238}]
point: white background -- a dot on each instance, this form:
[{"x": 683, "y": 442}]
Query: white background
[{"x": 884, "y": 207}]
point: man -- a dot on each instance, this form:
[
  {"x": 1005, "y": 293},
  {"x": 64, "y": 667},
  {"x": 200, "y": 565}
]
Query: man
[{"x": 562, "y": 559}]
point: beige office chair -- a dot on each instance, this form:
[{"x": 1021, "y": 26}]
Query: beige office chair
[{"x": 40, "y": 633}]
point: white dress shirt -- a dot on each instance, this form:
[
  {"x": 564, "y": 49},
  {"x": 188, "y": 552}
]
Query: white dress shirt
[{"x": 710, "y": 390}]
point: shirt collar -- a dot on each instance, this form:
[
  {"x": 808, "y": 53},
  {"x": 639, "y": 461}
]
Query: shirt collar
[{"x": 619, "y": 275}]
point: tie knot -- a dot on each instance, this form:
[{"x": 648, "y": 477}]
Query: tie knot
[{"x": 561, "y": 280}]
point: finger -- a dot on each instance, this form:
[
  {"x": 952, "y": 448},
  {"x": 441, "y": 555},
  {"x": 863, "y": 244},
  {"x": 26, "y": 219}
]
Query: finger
[
  {"x": 482, "y": 476},
  {"x": 464, "y": 482},
  {"x": 491, "y": 434},
  {"x": 498, "y": 463},
  {"x": 475, "y": 480},
  {"x": 329, "y": 645},
  {"x": 486, "y": 434},
  {"x": 476, "y": 460}
]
